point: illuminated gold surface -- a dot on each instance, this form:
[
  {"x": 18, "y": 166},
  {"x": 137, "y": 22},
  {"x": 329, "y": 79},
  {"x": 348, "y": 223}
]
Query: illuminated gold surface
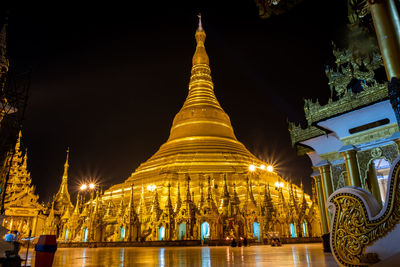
[
  {"x": 287, "y": 255},
  {"x": 322, "y": 205},
  {"x": 200, "y": 175},
  {"x": 202, "y": 143},
  {"x": 353, "y": 177},
  {"x": 22, "y": 209},
  {"x": 353, "y": 229},
  {"x": 385, "y": 19}
]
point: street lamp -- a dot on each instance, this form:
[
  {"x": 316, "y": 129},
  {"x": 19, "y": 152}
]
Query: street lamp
[
  {"x": 83, "y": 187},
  {"x": 151, "y": 187},
  {"x": 252, "y": 168},
  {"x": 270, "y": 168}
]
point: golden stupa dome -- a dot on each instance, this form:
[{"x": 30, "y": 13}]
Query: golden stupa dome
[{"x": 201, "y": 143}]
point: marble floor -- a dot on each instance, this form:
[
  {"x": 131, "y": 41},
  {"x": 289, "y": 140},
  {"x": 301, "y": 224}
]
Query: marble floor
[{"x": 287, "y": 255}]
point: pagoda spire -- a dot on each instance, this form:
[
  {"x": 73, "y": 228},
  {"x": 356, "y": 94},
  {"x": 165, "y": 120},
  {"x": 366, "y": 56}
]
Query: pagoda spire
[
  {"x": 62, "y": 197},
  {"x": 200, "y": 28},
  {"x": 77, "y": 206},
  {"x": 225, "y": 199},
  {"x": 25, "y": 162},
  {"x": 188, "y": 197},
  {"x": 64, "y": 182},
  {"x": 155, "y": 210},
  {"x": 201, "y": 114},
  {"x": 201, "y": 202},
  {"x": 17, "y": 158},
  {"x": 168, "y": 205},
  {"x": 18, "y": 143},
  {"x": 130, "y": 211},
  {"x": 178, "y": 200},
  {"x": 142, "y": 211}
]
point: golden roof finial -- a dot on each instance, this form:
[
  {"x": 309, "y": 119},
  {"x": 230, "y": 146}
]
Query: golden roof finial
[
  {"x": 18, "y": 143},
  {"x": 200, "y": 56},
  {"x": 66, "y": 166},
  {"x": 25, "y": 164},
  {"x": 200, "y": 28},
  {"x": 66, "y": 161}
]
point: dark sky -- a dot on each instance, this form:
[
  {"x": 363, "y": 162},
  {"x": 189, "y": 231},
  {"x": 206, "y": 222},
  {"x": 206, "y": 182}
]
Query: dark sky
[{"x": 108, "y": 80}]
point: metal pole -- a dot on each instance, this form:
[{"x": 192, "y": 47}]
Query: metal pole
[{"x": 27, "y": 249}]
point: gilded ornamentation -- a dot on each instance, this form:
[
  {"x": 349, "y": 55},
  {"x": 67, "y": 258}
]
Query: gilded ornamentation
[
  {"x": 201, "y": 156},
  {"x": 337, "y": 175},
  {"x": 352, "y": 80},
  {"x": 382, "y": 132},
  {"x": 22, "y": 208},
  {"x": 388, "y": 152},
  {"x": 376, "y": 152},
  {"x": 353, "y": 230}
]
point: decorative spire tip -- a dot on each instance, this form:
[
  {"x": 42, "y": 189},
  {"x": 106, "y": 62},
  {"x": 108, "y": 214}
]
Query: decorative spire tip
[{"x": 200, "y": 28}]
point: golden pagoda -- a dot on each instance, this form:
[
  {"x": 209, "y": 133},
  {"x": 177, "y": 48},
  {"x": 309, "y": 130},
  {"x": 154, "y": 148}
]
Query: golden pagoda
[
  {"x": 201, "y": 184},
  {"x": 22, "y": 209},
  {"x": 202, "y": 142}
]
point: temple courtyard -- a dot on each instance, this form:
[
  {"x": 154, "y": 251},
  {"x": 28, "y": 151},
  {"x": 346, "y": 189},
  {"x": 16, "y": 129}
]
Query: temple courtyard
[{"x": 287, "y": 255}]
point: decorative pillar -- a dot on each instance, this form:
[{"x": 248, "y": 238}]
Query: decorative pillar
[
  {"x": 325, "y": 170},
  {"x": 353, "y": 175},
  {"x": 326, "y": 181},
  {"x": 387, "y": 28},
  {"x": 373, "y": 183},
  {"x": 34, "y": 224},
  {"x": 321, "y": 201}
]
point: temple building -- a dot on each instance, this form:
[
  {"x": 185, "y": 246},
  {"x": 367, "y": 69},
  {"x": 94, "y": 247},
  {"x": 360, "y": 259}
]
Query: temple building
[
  {"x": 23, "y": 212},
  {"x": 202, "y": 183},
  {"x": 353, "y": 139}
]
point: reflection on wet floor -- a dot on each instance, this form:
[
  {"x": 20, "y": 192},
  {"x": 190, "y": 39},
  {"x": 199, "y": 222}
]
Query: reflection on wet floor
[{"x": 287, "y": 255}]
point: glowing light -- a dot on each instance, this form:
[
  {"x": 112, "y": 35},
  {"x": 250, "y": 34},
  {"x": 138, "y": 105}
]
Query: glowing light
[
  {"x": 83, "y": 187},
  {"x": 270, "y": 168},
  {"x": 281, "y": 184},
  {"x": 252, "y": 168},
  {"x": 92, "y": 185},
  {"x": 262, "y": 167},
  {"x": 151, "y": 187}
]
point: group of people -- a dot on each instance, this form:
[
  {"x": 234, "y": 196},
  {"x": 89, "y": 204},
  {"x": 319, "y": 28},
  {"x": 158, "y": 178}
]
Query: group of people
[
  {"x": 14, "y": 238},
  {"x": 275, "y": 242}
]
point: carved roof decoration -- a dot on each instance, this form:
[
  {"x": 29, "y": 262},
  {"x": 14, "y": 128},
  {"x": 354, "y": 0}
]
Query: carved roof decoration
[{"x": 353, "y": 79}]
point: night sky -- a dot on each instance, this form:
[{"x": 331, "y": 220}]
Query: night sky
[{"x": 107, "y": 80}]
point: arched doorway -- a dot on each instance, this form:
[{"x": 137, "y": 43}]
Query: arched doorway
[
  {"x": 293, "y": 233},
  {"x": 85, "y": 234},
  {"x": 305, "y": 228},
  {"x": 181, "y": 231},
  {"x": 256, "y": 231},
  {"x": 66, "y": 235},
  {"x": 205, "y": 231},
  {"x": 122, "y": 233},
  {"x": 161, "y": 233}
]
